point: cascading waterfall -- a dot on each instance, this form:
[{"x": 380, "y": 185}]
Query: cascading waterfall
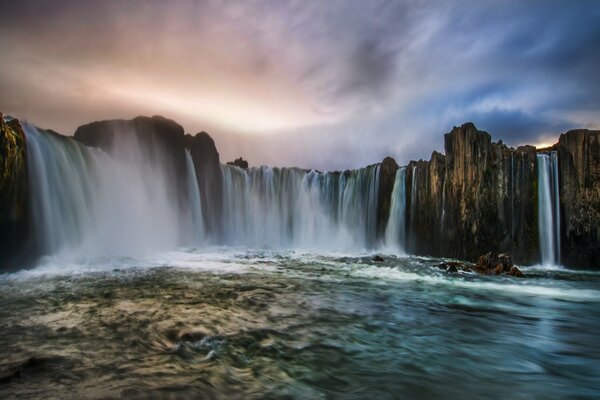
[
  {"x": 87, "y": 202},
  {"x": 548, "y": 208},
  {"x": 285, "y": 207},
  {"x": 61, "y": 191},
  {"x": 395, "y": 231},
  {"x": 194, "y": 201}
]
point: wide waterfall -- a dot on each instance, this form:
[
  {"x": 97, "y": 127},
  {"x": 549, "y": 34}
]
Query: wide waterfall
[
  {"x": 285, "y": 207},
  {"x": 88, "y": 202},
  {"x": 548, "y": 208},
  {"x": 395, "y": 232}
]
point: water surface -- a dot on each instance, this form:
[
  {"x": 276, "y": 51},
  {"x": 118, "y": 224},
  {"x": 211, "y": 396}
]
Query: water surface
[{"x": 238, "y": 323}]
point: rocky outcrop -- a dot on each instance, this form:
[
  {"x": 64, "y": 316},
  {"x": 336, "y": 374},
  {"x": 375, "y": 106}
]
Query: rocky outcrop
[
  {"x": 579, "y": 177},
  {"x": 13, "y": 190},
  {"x": 479, "y": 196},
  {"x": 210, "y": 179},
  {"x": 239, "y": 162}
]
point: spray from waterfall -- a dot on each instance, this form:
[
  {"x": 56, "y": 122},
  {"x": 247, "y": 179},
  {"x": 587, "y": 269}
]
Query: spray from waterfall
[
  {"x": 85, "y": 201},
  {"x": 548, "y": 208}
]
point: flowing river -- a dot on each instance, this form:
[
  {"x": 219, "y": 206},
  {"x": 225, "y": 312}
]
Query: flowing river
[{"x": 228, "y": 322}]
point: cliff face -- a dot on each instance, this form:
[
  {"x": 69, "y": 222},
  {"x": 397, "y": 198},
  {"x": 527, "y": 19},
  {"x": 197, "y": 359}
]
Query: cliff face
[
  {"x": 13, "y": 190},
  {"x": 210, "y": 180},
  {"x": 478, "y": 197},
  {"x": 579, "y": 176}
]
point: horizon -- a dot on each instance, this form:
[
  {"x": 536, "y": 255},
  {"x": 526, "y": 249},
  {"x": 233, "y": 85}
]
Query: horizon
[{"x": 326, "y": 86}]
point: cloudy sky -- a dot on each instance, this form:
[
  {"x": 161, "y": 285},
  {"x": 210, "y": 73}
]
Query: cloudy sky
[{"x": 324, "y": 84}]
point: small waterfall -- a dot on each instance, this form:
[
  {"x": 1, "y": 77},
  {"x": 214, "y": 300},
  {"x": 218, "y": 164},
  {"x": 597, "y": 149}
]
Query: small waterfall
[
  {"x": 289, "y": 207},
  {"x": 548, "y": 208},
  {"x": 61, "y": 191},
  {"x": 395, "y": 231},
  {"x": 413, "y": 192},
  {"x": 194, "y": 201},
  {"x": 443, "y": 217}
]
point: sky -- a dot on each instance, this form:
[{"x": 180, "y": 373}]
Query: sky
[{"x": 317, "y": 84}]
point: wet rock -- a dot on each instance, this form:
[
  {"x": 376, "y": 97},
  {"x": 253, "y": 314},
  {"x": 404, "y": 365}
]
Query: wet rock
[
  {"x": 378, "y": 258},
  {"x": 516, "y": 272},
  {"x": 496, "y": 264},
  {"x": 454, "y": 266},
  {"x": 14, "y": 213},
  {"x": 579, "y": 177},
  {"x": 451, "y": 269}
]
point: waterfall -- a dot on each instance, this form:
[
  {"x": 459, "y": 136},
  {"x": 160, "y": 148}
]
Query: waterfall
[
  {"x": 194, "y": 201},
  {"x": 290, "y": 207},
  {"x": 413, "y": 192},
  {"x": 87, "y": 202},
  {"x": 548, "y": 208},
  {"x": 395, "y": 231}
]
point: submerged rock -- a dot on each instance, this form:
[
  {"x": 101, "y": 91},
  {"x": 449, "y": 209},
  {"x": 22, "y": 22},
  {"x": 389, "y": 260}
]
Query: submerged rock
[
  {"x": 514, "y": 271},
  {"x": 452, "y": 267}
]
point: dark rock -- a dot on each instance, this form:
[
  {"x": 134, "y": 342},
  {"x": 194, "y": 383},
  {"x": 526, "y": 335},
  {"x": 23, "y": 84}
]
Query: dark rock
[
  {"x": 378, "y": 258},
  {"x": 14, "y": 207},
  {"x": 479, "y": 195},
  {"x": 454, "y": 266},
  {"x": 239, "y": 162},
  {"x": 494, "y": 264},
  {"x": 514, "y": 271},
  {"x": 579, "y": 180}
]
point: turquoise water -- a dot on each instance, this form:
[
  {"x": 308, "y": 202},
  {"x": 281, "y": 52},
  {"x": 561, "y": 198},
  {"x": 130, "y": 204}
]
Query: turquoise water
[{"x": 236, "y": 323}]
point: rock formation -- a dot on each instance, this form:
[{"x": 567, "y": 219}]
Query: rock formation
[
  {"x": 13, "y": 190},
  {"x": 480, "y": 196},
  {"x": 579, "y": 165}
]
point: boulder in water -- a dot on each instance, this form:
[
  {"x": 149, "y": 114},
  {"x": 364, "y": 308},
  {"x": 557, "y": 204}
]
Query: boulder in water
[
  {"x": 378, "y": 258},
  {"x": 516, "y": 272}
]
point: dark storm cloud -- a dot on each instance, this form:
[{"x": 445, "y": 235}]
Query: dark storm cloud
[{"x": 356, "y": 80}]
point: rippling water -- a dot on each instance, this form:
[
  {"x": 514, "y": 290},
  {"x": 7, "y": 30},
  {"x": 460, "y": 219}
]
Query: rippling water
[{"x": 234, "y": 323}]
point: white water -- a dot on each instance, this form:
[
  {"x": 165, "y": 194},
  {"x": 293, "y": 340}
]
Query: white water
[
  {"x": 548, "y": 208},
  {"x": 395, "y": 231},
  {"x": 289, "y": 207},
  {"x": 88, "y": 202},
  {"x": 413, "y": 192}
]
